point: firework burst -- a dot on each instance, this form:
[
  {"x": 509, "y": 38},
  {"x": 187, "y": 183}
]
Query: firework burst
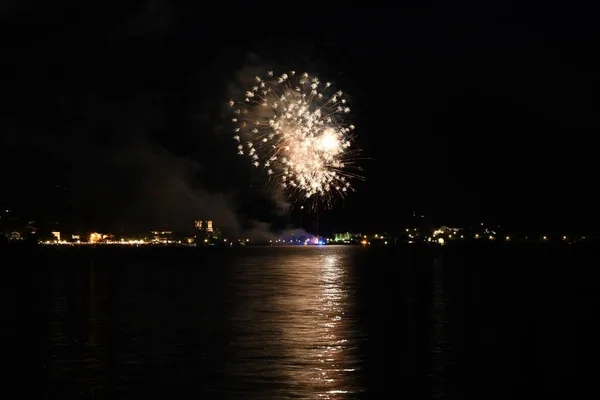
[{"x": 293, "y": 127}]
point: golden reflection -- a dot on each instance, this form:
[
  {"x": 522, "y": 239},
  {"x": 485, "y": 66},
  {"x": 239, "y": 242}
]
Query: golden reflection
[
  {"x": 331, "y": 312},
  {"x": 319, "y": 327}
]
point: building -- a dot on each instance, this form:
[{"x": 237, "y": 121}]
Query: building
[
  {"x": 346, "y": 237},
  {"x": 206, "y": 232},
  {"x": 205, "y": 226},
  {"x": 95, "y": 237},
  {"x": 162, "y": 237},
  {"x": 445, "y": 233},
  {"x": 341, "y": 237}
]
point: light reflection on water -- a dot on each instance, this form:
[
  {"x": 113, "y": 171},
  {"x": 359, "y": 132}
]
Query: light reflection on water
[
  {"x": 309, "y": 328},
  {"x": 266, "y": 323},
  {"x": 299, "y": 322}
]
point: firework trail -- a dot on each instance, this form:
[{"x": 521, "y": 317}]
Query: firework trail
[{"x": 293, "y": 127}]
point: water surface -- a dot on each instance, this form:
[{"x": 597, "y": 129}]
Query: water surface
[{"x": 293, "y": 322}]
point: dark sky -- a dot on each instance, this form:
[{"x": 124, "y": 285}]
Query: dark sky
[{"x": 112, "y": 112}]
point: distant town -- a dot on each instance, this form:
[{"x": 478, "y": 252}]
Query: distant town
[{"x": 204, "y": 233}]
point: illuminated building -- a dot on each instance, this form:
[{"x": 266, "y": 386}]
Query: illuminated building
[
  {"x": 206, "y": 231},
  {"x": 341, "y": 237},
  {"x": 162, "y": 236},
  {"x": 56, "y": 235},
  {"x": 446, "y": 233},
  {"x": 346, "y": 237},
  {"x": 95, "y": 237},
  {"x": 201, "y": 226}
]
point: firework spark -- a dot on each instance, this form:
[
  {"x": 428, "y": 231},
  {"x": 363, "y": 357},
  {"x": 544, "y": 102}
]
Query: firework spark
[{"x": 293, "y": 127}]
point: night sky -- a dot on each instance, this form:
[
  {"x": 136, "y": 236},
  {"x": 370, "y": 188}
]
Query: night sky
[{"x": 113, "y": 116}]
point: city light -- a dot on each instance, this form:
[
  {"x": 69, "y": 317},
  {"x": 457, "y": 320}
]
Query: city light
[{"x": 207, "y": 235}]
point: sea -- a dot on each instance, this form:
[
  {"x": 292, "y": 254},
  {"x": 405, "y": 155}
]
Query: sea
[{"x": 301, "y": 322}]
